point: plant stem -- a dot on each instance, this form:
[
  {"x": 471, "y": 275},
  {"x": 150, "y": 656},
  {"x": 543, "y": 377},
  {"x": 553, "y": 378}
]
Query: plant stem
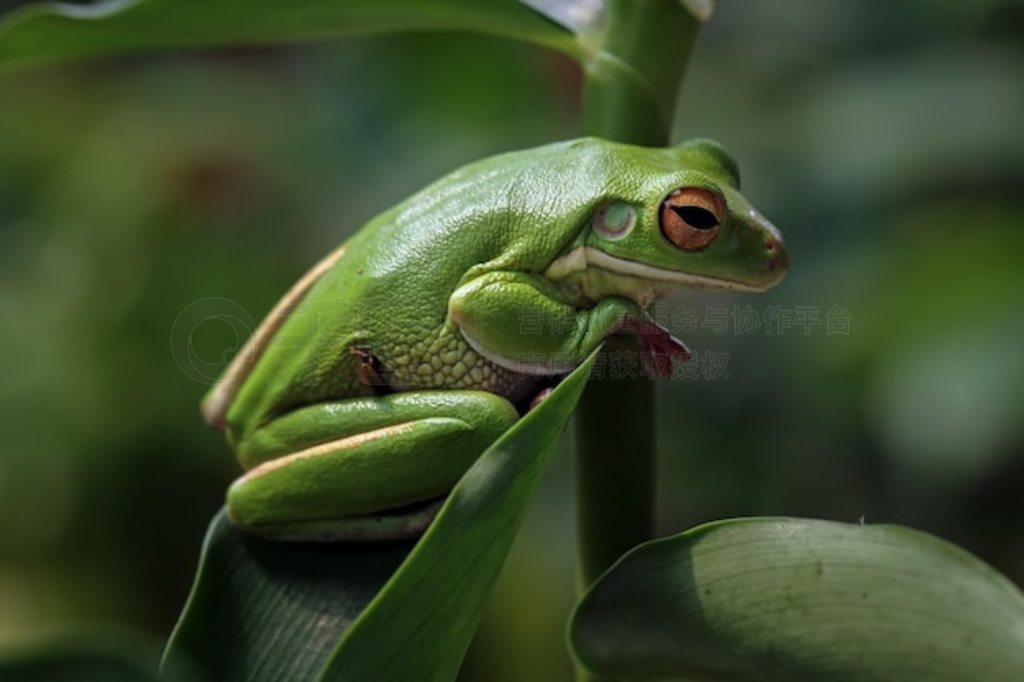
[
  {"x": 631, "y": 83},
  {"x": 615, "y": 467}
]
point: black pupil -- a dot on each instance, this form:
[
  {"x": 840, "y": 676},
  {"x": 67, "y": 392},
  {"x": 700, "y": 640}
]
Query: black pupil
[{"x": 696, "y": 217}]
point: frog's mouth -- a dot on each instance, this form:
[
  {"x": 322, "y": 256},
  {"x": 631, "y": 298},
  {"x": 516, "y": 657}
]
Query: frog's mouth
[{"x": 599, "y": 275}]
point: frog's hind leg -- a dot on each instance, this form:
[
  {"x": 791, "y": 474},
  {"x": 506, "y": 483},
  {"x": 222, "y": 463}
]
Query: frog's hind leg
[{"x": 364, "y": 467}]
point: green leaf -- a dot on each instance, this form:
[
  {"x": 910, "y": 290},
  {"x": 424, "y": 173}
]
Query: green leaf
[
  {"x": 47, "y": 32},
  {"x": 795, "y": 599},
  {"x": 262, "y": 610}
]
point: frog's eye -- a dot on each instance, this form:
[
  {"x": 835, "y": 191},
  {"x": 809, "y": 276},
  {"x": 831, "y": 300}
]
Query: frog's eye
[
  {"x": 691, "y": 217},
  {"x": 614, "y": 221}
]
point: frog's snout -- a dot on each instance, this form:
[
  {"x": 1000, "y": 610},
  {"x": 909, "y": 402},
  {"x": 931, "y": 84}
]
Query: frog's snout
[{"x": 774, "y": 260}]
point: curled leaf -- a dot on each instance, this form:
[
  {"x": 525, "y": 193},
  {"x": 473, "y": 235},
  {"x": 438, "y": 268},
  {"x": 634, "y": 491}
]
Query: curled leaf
[{"x": 48, "y": 32}]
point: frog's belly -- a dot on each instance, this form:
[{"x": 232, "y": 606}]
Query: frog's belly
[{"x": 445, "y": 360}]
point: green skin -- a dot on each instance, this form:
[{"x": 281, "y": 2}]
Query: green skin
[{"x": 387, "y": 370}]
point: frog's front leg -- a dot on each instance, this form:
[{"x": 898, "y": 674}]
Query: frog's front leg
[
  {"x": 526, "y": 323},
  {"x": 334, "y": 470}
]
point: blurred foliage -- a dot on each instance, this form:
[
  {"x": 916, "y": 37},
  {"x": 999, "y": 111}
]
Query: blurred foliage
[
  {"x": 882, "y": 138},
  {"x": 112, "y": 656}
]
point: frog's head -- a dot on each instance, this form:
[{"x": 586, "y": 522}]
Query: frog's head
[{"x": 674, "y": 219}]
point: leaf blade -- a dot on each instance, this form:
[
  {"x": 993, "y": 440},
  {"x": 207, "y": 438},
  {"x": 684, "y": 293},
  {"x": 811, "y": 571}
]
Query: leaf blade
[
  {"x": 797, "y": 599},
  {"x": 53, "y": 32},
  {"x": 263, "y": 610}
]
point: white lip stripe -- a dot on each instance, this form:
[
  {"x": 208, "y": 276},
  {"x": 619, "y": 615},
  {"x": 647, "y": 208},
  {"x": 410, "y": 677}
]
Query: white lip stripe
[{"x": 579, "y": 259}]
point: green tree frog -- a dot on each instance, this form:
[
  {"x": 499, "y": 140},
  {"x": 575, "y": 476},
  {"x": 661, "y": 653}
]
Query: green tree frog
[{"x": 398, "y": 359}]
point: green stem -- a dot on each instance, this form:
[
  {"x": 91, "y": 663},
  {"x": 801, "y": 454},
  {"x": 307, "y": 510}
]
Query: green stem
[
  {"x": 631, "y": 83},
  {"x": 633, "y": 78},
  {"x": 615, "y": 467}
]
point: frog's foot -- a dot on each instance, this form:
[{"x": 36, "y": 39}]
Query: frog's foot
[
  {"x": 525, "y": 323},
  {"x": 658, "y": 347},
  {"x": 362, "y": 468},
  {"x": 369, "y": 369},
  {"x": 540, "y": 397}
]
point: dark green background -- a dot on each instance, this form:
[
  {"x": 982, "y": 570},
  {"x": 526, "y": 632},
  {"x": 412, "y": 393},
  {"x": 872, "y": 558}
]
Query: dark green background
[{"x": 884, "y": 139}]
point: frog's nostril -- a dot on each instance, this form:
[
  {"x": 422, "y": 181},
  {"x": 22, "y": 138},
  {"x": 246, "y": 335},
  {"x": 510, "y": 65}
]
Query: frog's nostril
[
  {"x": 771, "y": 249},
  {"x": 775, "y": 255}
]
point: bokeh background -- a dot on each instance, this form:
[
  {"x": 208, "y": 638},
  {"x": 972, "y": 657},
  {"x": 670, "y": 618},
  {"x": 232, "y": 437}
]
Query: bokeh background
[{"x": 884, "y": 139}]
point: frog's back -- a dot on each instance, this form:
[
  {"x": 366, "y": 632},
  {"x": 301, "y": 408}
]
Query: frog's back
[{"x": 388, "y": 293}]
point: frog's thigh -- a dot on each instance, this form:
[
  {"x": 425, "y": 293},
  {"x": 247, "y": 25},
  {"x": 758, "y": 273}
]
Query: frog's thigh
[{"x": 412, "y": 447}]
